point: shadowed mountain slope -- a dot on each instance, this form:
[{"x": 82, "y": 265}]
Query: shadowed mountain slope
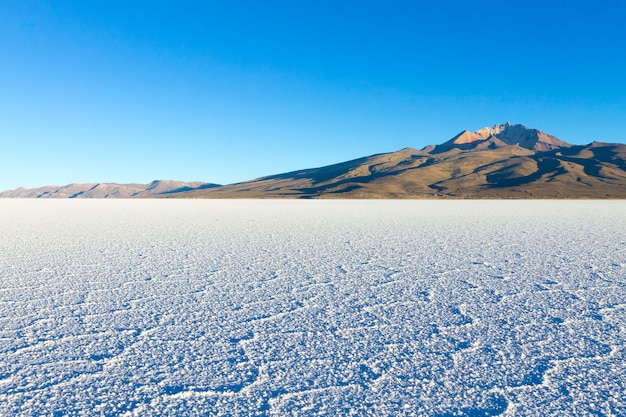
[{"x": 504, "y": 161}]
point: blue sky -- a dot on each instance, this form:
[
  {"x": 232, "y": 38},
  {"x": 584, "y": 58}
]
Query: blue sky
[{"x": 132, "y": 91}]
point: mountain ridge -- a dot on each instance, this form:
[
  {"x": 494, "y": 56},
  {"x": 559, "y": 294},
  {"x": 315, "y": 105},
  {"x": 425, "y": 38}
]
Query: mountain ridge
[
  {"x": 506, "y": 134},
  {"x": 107, "y": 190}
]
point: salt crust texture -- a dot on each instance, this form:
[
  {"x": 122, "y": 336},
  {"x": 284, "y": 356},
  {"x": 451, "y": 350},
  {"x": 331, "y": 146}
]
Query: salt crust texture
[{"x": 276, "y": 308}]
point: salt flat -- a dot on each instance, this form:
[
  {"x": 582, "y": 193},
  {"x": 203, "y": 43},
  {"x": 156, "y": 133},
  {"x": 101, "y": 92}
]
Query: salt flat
[{"x": 247, "y": 307}]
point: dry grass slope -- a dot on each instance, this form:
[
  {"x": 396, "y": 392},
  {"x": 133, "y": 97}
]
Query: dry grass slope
[{"x": 597, "y": 170}]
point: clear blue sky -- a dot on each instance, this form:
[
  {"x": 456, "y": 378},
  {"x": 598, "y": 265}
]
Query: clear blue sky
[{"x": 225, "y": 91}]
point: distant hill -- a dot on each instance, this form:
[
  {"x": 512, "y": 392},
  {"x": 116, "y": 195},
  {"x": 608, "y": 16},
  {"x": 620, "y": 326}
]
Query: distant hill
[
  {"x": 504, "y": 161},
  {"x": 107, "y": 190}
]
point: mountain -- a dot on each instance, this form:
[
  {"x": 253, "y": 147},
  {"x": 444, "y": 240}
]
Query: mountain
[
  {"x": 107, "y": 190},
  {"x": 501, "y": 135},
  {"x": 503, "y": 161}
]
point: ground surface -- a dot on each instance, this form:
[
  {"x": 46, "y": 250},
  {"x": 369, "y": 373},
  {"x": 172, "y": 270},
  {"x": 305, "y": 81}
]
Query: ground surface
[{"x": 312, "y": 307}]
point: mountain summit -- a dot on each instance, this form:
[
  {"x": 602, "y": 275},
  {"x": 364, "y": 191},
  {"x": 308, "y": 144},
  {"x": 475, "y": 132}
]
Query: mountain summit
[{"x": 502, "y": 135}]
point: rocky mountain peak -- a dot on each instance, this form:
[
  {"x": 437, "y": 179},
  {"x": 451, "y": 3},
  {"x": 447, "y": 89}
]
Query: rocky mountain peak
[{"x": 502, "y": 135}]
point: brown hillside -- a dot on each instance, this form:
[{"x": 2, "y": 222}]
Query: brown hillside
[{"x": 505, "y": 161}]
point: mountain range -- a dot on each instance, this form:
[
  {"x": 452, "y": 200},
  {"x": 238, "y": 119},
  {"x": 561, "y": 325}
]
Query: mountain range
[
  {"x": 502, "y": 161},
  {"x": 107, "y": 190}
]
